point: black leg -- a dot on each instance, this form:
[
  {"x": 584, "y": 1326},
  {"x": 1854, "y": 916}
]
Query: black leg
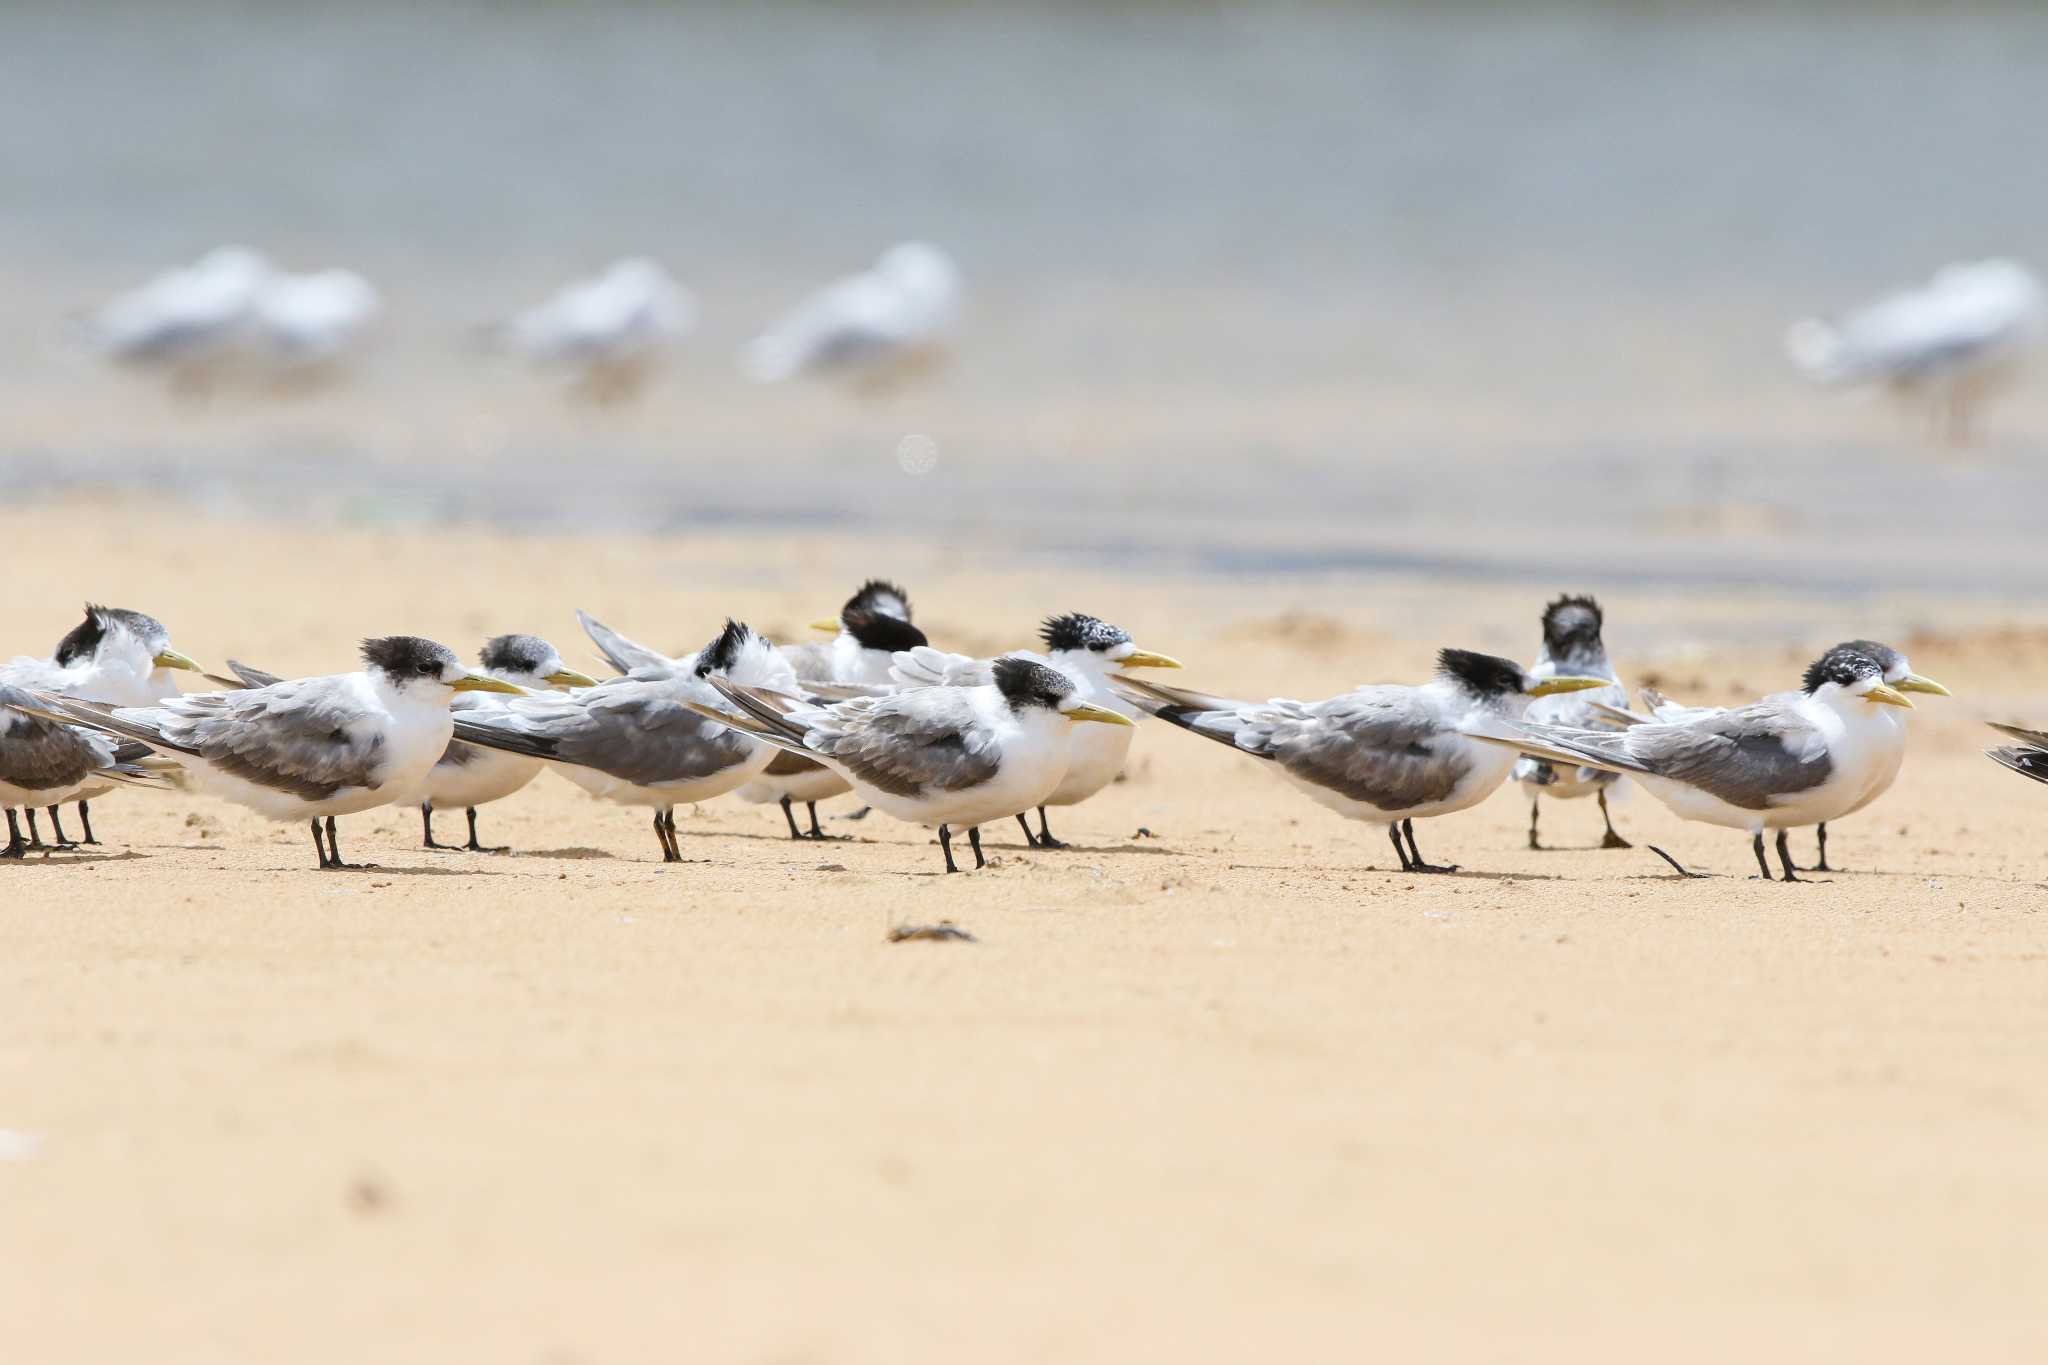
[
  {"x": 57, "y": 828},
  {"x": 1023, "y": 823},
  {"x": 1785, "y": 854},
  {"x": 15, "y": 848},
  {"x": 1676, "y": 866},
  {"x": 946, "y": 847},
  {"x": 334, "y": 846},
  {"x": 817, "y": 830},
  {"x": 974, "y": 842},
  {"x": 1822, "y": 865},
  {"x": 473, "y": 846},
  {"x": 427, "y": 821},
  {"x": 35, "y": 836},
  {"x": 1416, "y": 864},
  {"x": 1612, "y": 840},
  {"x": 1045, "y": 839},
  {"x": 85, "y": 818},
  {"x": 1761, "y": 861},
  {"x": 665, "y": 830},
  {"x": 1394, "y": 833},
  {"x": 790, "y": 816},
  {"x": 319, "y": 847},
  {"x": 1535, "y": 805}
]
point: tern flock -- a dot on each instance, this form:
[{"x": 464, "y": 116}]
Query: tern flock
[{"x": 939, "y": 740}]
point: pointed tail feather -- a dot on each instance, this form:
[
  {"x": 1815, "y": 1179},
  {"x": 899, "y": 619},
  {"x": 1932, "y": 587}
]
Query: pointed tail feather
[
  {"x": 2037, "y": 738},
  {"x": 1617, "y": 714},
  {"x": 622, "y": 654},
  {"x": 1553, "y": 745},
  {"x": 2027, "y": 762}
]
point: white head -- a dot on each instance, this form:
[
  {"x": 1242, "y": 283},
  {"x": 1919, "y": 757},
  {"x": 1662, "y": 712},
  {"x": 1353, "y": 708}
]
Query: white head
[
  {"x": 414, "y": 669},
  {"x": 121, "y": 656},
  {"x": 529, "y": 662},
  {"x": 920, "y": 271},
  {"x": 1846, "y": 680},
  {"x": 1078, "y": 640},
  {"x": 746, "y": 658}
]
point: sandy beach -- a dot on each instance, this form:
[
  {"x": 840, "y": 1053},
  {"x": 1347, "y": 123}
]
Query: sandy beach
[{"x": 1229, "y": 1086}]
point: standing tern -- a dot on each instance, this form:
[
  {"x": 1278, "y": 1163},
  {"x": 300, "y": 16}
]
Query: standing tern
[
  {"x": 114, "y": 655},
  {"x": 877, "y": 326},
  {"x": 639, "y": 740},
  {"x": 1572, "y": 644},
  {"x": 1786, "y": 761},
  {"x": 1950, "y": 343},
  {"x": 1385, "y": 754},
  {"x": 1088, "y": 650},
  {"x": 872, "y": 628},
  {"x": 933, "y": 756},
  {"x": 609, "y": 331},
  {"x": 184, "y": 319},
  {"x": 44, "y": 762},
  {"x": 1889, "y": 740},
  {"x": 307, "y": 748},
  {"x": 307, "y": 324}
]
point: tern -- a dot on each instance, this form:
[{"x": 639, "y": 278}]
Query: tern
[
  {"x": 871, "y": 629},
  {"x": 1572, "y": 644},
  {"x": 1891, "y": 740},
  {"x": 639, "y": 740},
  {"x": 933, "y": 756},
  {"x": 610, "y": 330},
  {"x": 878, "y": 326},
  {"x": 309, "y": 748},
  {"x": 114, "y": 655},
  {"x": 1786, "y": 761},
  {"x": 1086, "y": 649},
  {"x": 1385, "y": 754},
  {"x": 44, "y": 762},
  {"x": 1950, "y": 343},
  {"x": 186, "y": 318},
  {"x": 307, "y": 323}
]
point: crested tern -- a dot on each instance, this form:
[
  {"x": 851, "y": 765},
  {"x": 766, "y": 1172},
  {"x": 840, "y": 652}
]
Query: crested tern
[
  {"x": 1783, "y": 762},
  {"x": 1386, "y": 754},
  {"x": 872, "y": 627},
  {"x": 933, "y": 756},
  {"x": 639, "y": 740},
  {"x": 1086, "y": 649},
  {"x": 1950, "y": 343},
  {"x": 114, "y": 655},
  {"x": 309, "y": 748},
  {"x": 1572, "y": 644},
  {"x": 46, "y": 762},
  {"x": 878, "y": 325},
  {"x": 609, "y": 331}
]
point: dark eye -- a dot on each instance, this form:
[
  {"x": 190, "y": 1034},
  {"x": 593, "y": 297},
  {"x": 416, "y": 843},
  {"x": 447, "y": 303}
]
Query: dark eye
[{"x": 428, "y": 670}]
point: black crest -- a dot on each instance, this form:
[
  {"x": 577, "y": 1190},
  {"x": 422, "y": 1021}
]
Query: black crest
[
  {"x": 1888, "y": 659},
  {"x": 84, "y": 639},
  {"x": 881, "y": 596},
  {"x": 877, "y": 629},
  {"x": 1840, "y": 665},
  {"x": 1077, "y": 630},
  {"x": 1025, "y": 683},
  {"x": 404, "y": 657},
  {"x": 515, "y": 654},
  {"x": 1483, "y": 675},
  {"x": 722, "y": 653},
  {"x": 1572, "y": 624}
]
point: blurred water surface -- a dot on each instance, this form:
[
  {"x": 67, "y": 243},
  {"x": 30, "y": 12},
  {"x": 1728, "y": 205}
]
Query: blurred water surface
[{"x": 1462, "y": 287}]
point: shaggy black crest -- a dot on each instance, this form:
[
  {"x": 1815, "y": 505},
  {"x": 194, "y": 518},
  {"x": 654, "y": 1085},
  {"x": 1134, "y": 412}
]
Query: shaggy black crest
[
  {"x": 876, "y": 629},
  {"x": 721, "y": 654},
  {"x": 1026, "y": 683},
  {"x": 1572, "y": 624},
  {"x": 881, "y": 596},
  {"x": 1888, "y": 659},
  {"x": 1482, "y": 675},
  {"x": 404, "y": 657},
  {"x": 84, "y": 639},
  {"x": 1076, "y": 630},
  {"x": 1840, "y": 665},
  {"x": 515, "y": 654}
]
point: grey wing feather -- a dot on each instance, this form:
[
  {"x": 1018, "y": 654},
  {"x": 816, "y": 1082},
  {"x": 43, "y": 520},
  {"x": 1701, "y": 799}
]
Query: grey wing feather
[
  {"x": 910, "y": 742},
  {"x": 623, "y": 654},
  {"x": 1380, "y": 745},
  {"x": 252, "y": 677},
  {"x": 2025, "y": 760},
  {"x": 2037, "y": 738},
  {"x": 1748, "y": 757},
  {"x": 298, "y": 737},
  {"x": 639, "y": 730},
  {"x": 38, "y": 754}
]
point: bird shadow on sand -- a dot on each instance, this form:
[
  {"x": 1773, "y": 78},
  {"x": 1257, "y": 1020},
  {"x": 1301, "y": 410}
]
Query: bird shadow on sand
[
  {"x": 66, "y": 857},
  {"x": 1083, "y": 850},
  {"x": 574, "y": 855},
  {"x": 376, "y": 870}
]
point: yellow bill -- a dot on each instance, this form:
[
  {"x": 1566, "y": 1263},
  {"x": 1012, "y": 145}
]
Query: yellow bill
[
  {"x": 1913, "y": 682},
  {"x": 171, "y": 658},
  {"x": 1550, "y": 687},
  {"x": 1145, "y": 658},
  {"x": 569, "y": 677},
  {"x": 1889, "y": 696},
  {"x": 1085, "y": 711},
  {"x": 477, "y": 682}
]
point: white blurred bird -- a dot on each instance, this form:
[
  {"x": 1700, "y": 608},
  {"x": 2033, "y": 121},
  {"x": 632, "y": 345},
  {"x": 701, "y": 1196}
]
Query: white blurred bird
[
  {"x": 307, "y": 323},
  {"x": 1949, "y": 344},
  {"x": 1572, "y": 644},
  {"x": 185, "y": 320},
  {"x": 609, "y": 331},
  {"x": 878, "y": 326}
]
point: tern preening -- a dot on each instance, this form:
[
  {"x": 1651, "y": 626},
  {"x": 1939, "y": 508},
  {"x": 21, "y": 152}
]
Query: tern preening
[
  {"x": 308, "y": 748},
  {"x": 1388, "y": 754},
  {"x": 639, "y": 740},
  {"x": 1949, "y": 344},
  {"x": 876, "y": 326},
  {"x": 933, "y": 756},
  {"x": 872, "y": 627},
  {"x": 1797, "y": 759},
  {"x": 1572, "y": 644},
  {"x": 609, "y": 331},
  {"x": 1889, "y": 739},
  {"x": 114, "y": 655},
  {"x": 1087, "y": 650}
]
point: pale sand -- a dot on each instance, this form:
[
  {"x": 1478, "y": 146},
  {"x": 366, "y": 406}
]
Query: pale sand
[{"x": 1238, "y": 1089}]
